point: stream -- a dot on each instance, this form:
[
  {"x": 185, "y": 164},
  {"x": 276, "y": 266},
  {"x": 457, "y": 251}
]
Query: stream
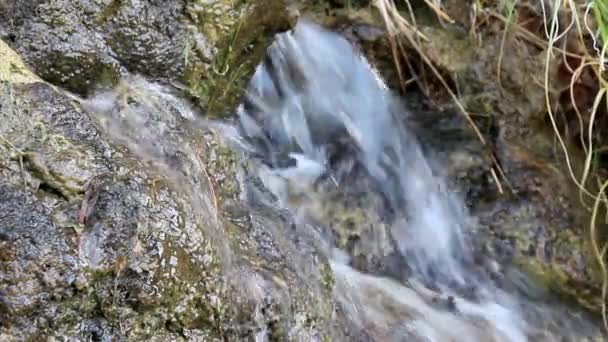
[{"x": 329, "y": 143}]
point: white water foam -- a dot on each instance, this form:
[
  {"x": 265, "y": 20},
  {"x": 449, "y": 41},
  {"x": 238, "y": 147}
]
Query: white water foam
[{"x": 313, "y": 92}]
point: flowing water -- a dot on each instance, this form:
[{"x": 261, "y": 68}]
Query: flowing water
[
  {"x": 312, "y": 96},
  {"x": 321, "y": 128}
]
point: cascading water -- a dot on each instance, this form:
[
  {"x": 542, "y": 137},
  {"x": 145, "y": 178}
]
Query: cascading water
[
  {"x": 326, "y": 138},
  {"x": 309, "y": 96},
  {"x": 315, "y": 112}
]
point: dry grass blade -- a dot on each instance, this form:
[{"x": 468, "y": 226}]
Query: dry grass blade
[
  {"x": 396, "y": 22},
  {"x": 397, "y": 27},
  {"x": 599, "y": 254},
  {"x": 495, "y": 177},
  {"x": 436, "y": 7},
  {"x": 587, "y": 167},
  {"x": 575, "y": 76},
  {"x": 511, "y": 10},
  {"x": 391, "y": 34}
]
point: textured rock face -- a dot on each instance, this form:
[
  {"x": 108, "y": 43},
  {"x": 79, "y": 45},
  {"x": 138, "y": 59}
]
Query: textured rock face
[
  {"x": 90, "y": 243},
  {"x": 89, "y": 44},
  {"x": 106, "y": 243}
]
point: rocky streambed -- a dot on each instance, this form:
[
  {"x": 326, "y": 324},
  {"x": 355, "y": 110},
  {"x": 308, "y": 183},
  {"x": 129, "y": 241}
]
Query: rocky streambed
[{"x": 125, "y": 216}]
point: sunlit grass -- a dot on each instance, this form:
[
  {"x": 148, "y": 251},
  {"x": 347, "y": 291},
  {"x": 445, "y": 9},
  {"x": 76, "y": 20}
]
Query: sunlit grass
[{"x": 600, "y": 11}]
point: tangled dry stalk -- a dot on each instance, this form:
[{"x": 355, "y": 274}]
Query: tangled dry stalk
[
  {"x": 398, "y": 28},
  {"x": 595, "y": 60}
]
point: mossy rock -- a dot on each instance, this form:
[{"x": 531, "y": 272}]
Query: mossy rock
[
  {"x": 241, "y": 35},
  {"x": 86, "y": 45},
  {"x": 111, "y": 245}
]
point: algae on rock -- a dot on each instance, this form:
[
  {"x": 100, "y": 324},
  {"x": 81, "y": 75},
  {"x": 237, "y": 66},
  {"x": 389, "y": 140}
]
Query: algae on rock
[
  {"x": 211, "y": 46},
  {"x": 123, "y": 241}
]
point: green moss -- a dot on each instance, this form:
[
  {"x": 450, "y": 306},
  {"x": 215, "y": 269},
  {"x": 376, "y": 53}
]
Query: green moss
[
  {"x": 327, "y": 277},
  {"x": 220, "y": 86},
  {"x": 448, "y": 49},
  {"x": 82, "y": 305},
  {"x": 109, "y": 11},
  {"x": 553, "y": 273},
  {"x": 539, "y": 273}
]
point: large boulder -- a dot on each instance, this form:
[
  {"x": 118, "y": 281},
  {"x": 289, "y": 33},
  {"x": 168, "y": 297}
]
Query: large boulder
[
  {"x": 89, "y": 44},
  {"x": 106, "y": 239}
]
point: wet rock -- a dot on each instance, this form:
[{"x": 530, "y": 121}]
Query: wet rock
[
  {"x": 242, "y": 36},
  {"x": 536, "y": 224},
  {"x": 359, "y": 223},
  {"x": 89, "y": 44},
  {"x": 102, "y": 240}
]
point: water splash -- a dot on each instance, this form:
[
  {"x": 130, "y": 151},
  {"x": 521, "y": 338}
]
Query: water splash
[
  {"x": 148, "y": 119},
  {"x": 318, "y": 120},
  {"x": 315, "y": 111},
  {"x": 333, "y": 97}
]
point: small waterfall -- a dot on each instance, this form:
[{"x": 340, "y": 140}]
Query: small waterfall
[
  {"x": 310, "y": 97},
  {"x": 317, "y": 115},
  {"x": 326, "y": 139}
]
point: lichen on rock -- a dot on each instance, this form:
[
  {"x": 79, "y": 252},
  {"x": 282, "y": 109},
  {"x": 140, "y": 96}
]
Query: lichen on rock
[
  {"x": 12, "y": 68},
  {"x": 135, "y": 239},
  {"x": 211, "y": 46}
]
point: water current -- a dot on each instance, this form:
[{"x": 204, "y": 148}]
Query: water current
[
  {"x": 317, "y": 102},
  {"x": 328, "y": 140}
]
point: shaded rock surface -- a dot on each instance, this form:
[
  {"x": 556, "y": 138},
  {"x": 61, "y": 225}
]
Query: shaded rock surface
[
  {"x": 102, "y": 242},
  {"x": 85, "y": 45}
]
